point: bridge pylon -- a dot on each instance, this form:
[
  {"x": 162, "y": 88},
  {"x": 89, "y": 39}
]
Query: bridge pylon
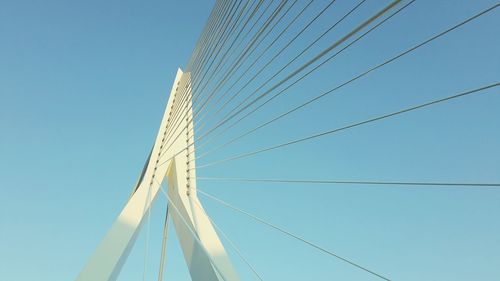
[{"x": 172, "y": 158}]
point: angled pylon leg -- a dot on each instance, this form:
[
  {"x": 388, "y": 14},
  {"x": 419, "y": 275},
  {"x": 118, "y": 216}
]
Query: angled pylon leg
[{"x": 170, "y": 157}]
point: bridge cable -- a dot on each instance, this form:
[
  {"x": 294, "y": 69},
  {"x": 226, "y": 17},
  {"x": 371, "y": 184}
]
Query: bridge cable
[
  {"x": 183, "y": 91},
  {"x": 196, "y": 94},
  {"x": 212, "y": 33},
  {"x": 257, "y": 20},
  {"x": 195, "y": 53},
  {"x": 193, "y": 233},
  {"x": 235, "y": 67},
  {"x": 201, "y": 73},
  {"x": 353, "y": 125},
  {"x": 229, "y": 50},
  {"x": 288, "y": 87},
  {"x": 324, "y": 94},
  {"x": 290, "y": 234},
  {"x": 350, "y": 182},
  {"x": 231, "y": 115},
  {"x": 292, "y": 84},
  {"x": 244, "y": 55},
  {"x": 274, "y": 57},
  {"x": 220, "y": 31},
  {"x": 194, "y": 88},
  {"x": 368, "y": 71},
  {"x": 237, "y": 250},
  {"x": 188, "y": 99},
  {"x": 206, "y": 30},
  {"x": 275, "y": 13},
  {"x": 238, "y": 92},
  {"x": 292, "y": 39},
  {"x": 163, "y": 256},
  {"x": 222, "y": 43}
]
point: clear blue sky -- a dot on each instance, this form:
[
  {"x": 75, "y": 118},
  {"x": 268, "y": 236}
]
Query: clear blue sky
[{"x": 83, "y": 85}]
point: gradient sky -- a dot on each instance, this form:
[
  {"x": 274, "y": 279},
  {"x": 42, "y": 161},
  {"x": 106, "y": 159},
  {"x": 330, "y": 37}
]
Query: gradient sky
[{"x": 83, "y": 85}]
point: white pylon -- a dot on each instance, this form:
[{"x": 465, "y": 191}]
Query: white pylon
[{"x": 172, "y": 157}]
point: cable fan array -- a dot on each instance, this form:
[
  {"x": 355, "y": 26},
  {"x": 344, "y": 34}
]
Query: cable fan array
[{"x": 252, "y": 54}]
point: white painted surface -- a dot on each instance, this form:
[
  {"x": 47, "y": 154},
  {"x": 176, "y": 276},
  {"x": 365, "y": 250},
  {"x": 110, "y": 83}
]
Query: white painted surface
[{"x": 200, "y": 254}]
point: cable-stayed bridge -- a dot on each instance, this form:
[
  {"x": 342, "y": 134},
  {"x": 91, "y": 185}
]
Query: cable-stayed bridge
[{"x": 251, "y": 55}]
